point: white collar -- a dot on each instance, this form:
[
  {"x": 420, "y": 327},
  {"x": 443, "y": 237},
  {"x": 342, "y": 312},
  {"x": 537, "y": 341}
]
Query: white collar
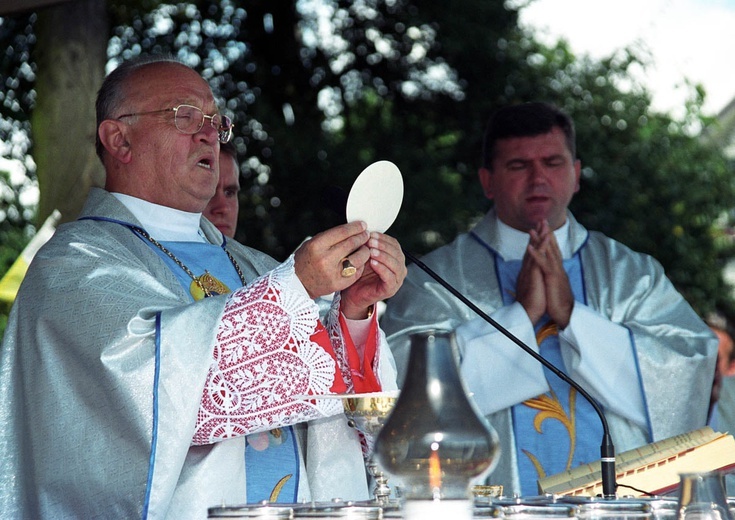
[
  {"x": 512, "y": 243},
  {"x": 162, "y": 222}
]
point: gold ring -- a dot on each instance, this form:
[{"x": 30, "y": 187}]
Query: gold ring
[{"x": 347, "y": 268}]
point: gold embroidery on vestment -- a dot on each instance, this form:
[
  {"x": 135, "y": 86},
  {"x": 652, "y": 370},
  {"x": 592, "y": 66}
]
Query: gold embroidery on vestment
[
  {"x": 536, "y": 464},
  {"x": 278, "y": 487},
  {"x": 550, "y": 407},
  {"x": 548, "y": 330}
]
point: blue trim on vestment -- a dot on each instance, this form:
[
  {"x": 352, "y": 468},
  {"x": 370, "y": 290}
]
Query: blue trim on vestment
[
  {"x": 581, "y": 274},
  {"x": 584, "y": 243},
  {"x": 297, "y": 457},
  {"x": 483, "y": 243},
  {"x": 295, "y": 446},
  {"x": 154, "y": 437}
]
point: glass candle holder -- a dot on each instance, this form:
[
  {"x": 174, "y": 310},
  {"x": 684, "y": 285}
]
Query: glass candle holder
[
  {"x": 435, "y": 442},
  {"x": 702, "y": 496}
]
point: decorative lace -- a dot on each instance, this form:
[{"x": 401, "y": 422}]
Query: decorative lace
[
  {"x": 267, "y": 352},
  {"x": 336, "y": 337}
]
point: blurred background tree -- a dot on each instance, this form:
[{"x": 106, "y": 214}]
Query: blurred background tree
[
  {"x": 18, "y": 191},
  {"x": 320, "y": 89}
]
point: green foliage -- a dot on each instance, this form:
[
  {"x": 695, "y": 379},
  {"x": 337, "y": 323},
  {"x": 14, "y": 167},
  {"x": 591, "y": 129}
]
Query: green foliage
[
  {"x": 414, "y": 83},
  {"x": 17, "y": 98},
  {"x": 15, "y": 231},
  {"x": 17, "y": 74}
]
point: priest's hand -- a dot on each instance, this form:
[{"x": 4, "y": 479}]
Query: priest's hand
[
  {"x": 530, "y": 291},
  {"x": 320, "y": 261},
  {"x": 546, "y": 257},
  {"x": 381, "y": 277}
]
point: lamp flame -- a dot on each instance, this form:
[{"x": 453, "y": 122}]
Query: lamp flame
[{"x": 435, "y": 472}]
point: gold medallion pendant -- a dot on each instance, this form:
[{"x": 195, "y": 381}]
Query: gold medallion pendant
[{"x": 206, "y": 285}]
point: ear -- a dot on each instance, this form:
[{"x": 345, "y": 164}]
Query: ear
[
  {"x": 577, "y": 174},
  {"x": 730, "y": 371},
  {"x": 486, "y": 180},
  {"x": 113, "y": 136}
]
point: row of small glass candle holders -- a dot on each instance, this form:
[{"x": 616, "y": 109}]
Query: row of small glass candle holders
[{"x": 547, "y": 507}]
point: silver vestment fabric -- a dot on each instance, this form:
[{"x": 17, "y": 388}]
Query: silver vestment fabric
[
  {"x": 674, "y": 350},
  {"x": 725, "y": 411},
  {"x": 725, "y": 420},
  {"x": 77, "y": 372}
]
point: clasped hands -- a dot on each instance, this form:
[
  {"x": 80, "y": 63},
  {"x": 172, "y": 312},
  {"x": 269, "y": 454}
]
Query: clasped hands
[
  {"x": 543, "y": 285},
  {"x": 378, "y": 259}
]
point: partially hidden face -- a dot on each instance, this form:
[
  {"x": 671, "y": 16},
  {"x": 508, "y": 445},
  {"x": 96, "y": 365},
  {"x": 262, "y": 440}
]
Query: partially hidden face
[{"x": 223, "y": 208}]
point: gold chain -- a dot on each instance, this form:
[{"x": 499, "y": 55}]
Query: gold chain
[{"x": 178, "y": 262}]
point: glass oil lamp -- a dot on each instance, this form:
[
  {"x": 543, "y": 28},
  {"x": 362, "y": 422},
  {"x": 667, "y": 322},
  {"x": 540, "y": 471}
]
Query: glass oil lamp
[
  {"x": 435, "y": 442},
  {"x": 703, "y": 496}
]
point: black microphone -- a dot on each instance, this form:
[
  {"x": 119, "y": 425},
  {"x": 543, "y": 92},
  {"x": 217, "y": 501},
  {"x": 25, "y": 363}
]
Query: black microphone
[
  {"x": 336, "y": 199},
  {"x": 607, "y": 449}
]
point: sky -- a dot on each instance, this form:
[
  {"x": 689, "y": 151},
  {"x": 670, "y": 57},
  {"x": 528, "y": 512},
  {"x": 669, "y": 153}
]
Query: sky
[{"x": 692, "y": 39}]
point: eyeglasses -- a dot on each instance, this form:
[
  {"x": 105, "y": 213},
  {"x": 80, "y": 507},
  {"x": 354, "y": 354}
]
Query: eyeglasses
[{"x": 189, "y": 120}]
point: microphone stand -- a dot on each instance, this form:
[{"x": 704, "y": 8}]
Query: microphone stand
[{"x": 607, "y": 449}]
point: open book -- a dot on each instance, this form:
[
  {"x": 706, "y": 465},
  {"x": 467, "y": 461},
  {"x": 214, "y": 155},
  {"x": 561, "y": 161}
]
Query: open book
[{"x": 651, "y": 469}]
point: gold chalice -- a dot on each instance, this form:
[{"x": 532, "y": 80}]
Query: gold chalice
[{"x": 367, "y": 413}]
